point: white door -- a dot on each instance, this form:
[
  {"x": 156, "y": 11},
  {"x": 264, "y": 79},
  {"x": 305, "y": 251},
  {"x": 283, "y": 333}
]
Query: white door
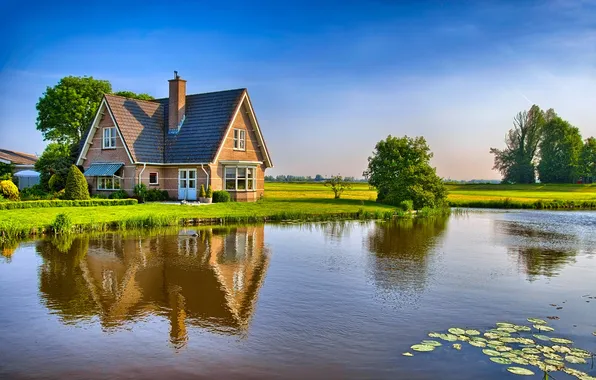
[{"x": 187, "y": 184}]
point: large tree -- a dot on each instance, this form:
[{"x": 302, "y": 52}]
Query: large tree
[
  {"x": 588, "y": 160},
  {"x": 517, "y": 161},
  {"x": 55, "y": 159},
  {"x": 132, "y": 95},
  {"x": 560, "y": 150},
  {"x": 400, "y": 170},
  {"x": 66, "y": 110}
]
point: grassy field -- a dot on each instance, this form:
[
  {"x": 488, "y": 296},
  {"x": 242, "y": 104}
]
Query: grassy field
[{"x": 285, "y": 201}]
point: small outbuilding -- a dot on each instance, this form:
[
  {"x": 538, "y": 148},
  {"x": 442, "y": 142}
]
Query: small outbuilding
[{"x": 27, "y": 178}]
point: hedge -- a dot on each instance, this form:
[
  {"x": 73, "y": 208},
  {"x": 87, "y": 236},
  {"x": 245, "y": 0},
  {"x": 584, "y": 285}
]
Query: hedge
[{"x": 66, "y": 203}]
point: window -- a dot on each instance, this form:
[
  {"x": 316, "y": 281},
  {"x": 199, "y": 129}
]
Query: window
[
  {"x": 153, "y": 179},
  {"x": 108, "y": 183},
  {"x": 239, "y": 139},
  {"x": 240, "y": 178},
  {"x": 109, "y": 138}
]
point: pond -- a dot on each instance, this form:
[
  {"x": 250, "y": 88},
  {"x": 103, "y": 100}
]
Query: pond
[{"x": 325, "y": 300}]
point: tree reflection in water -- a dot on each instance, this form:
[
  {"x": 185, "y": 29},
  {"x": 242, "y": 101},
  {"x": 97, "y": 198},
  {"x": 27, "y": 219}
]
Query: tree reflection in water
[
  {"x": 401, "y": 253},
  {"x": 538, "y": 252},
  {"x": 208, "y": 278}
]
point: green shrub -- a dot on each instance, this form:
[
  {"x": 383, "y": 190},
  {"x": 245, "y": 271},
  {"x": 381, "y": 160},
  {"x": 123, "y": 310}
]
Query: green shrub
[
  {"x": 157, "y": 195},
  {"x": 9, "y": 190},
  {"x": 66, "y": 203},
  {"x": 62, "y": 224},
  {"x": 140, "y": 191},
  {"x": 406, "y": 205},
  {"x": 202, "y": 193},
  {"x": 2, "y": 199},
  {"x": 221, "y": 196},
  {"x": 120, "y": 194},
  {"x": 76, "y": 185},
  {"x": 34, "y": 192},
  {"x": 210, "y": 192},
  {"x": 56, "y": 182}
]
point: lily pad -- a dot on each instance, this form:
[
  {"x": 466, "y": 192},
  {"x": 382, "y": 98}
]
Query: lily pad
[
  {"x": 561, "y": 349},
  {"x": 434, "y": 335},
  {"x": 431, "y": 343},
  {"x": 508, "y": 355},
  {"x": 581, "y": 353},
  {"x": 575, "y": 360},
  {"x": 463, "y": 338},
  {"x": 530, "y": 351},
  {"x": 422, "y": 347},
  {"x": 448, "y": 337},
  {"x": 407, "y": 354},
  {"x": 520, "y": 371},
  {"x": 553, "y": 356},
  {"x": 506, "y": 330},
  {"x": 504, "y": 324},
  {"x": 472, "y": 332},
  {"x": 477, "y": 343},
  {"x": 518, "y": 360},
  {"x": 489, "y": 352},
  {"x": 546, "y": 367},
  {"x": 525, "y": 341},
  {"x": 495, "y": 343},
  {"x": 457, "y": 331},
  {"x": 530, "y": 357},
  {"x": 503, "y": 348},
  {"x": 490, "y": 335},
  {"x": 556, "y": 363},
  {"x": 594, "y": 333},
  {"x": 561, "y": 340},
  {"x": 457, "y": 346},
  {"x": 500, "y": 360},
  {"x": 542, "y": 337},
  {"x": 543, "y": 328},
  {"x": 522, "y": 328},
  {"x": 508, "y": 339},
  {"x": 575, "y": 372},
  {"x": 537, "y": 321}
]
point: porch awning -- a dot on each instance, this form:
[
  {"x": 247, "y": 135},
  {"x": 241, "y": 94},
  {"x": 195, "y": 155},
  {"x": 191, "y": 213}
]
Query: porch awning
[{"x": 103, "y": 170}]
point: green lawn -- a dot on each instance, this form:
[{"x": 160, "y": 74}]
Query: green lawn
[{"x": 283, "y": 200}]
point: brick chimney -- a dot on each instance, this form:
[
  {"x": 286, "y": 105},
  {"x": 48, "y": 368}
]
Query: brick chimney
[{"x": 177, "y": 103}]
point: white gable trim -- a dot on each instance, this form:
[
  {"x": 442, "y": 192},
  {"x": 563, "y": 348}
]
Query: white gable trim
[
  {"x": 95, "y": 126},
  {"x": 255, "y": 125}
]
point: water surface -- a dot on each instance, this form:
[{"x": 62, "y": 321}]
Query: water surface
[{"x": 327, "y": 300}]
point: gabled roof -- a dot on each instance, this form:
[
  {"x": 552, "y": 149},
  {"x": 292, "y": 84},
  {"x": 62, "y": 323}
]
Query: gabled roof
[
  {"x": 207, "y": 118},
  {"x": 17, "y": 158}
]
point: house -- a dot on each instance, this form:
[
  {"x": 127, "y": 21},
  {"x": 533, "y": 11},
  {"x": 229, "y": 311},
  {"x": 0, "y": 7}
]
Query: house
[
  {"x": 20, "y": 160},
  {"x": 177, "y": 144}
]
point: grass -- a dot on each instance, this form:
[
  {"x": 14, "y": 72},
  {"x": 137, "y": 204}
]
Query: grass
[{"x": 287, "y": 201}]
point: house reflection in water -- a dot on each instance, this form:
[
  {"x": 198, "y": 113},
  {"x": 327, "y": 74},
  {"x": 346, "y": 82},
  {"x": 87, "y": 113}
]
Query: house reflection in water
[{"x": 207, "y": 278}]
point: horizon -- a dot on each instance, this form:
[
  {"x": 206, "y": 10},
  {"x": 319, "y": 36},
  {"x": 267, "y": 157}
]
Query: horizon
[{"x": 331, "y": 79}]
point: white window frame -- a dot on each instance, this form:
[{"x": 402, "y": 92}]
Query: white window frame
[
  {"x": 110, "y": 141},
  {"x": 239, "y": 139},
  {"x": 115, "y": 179},
  {"x": 246, "y": 179},
  {"x": 156, "y": 178}
]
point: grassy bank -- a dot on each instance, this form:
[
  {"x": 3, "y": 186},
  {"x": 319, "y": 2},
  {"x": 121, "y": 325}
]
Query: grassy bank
[{"x": 283, "y": 201}]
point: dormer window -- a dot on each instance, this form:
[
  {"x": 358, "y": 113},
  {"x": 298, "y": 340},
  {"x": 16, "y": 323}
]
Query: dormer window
[
  {"x": 239, "y": 139},
  {"x": 109, "y": 138}
]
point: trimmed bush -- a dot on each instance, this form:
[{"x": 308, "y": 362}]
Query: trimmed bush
[
  {"x": 202, "y": 193},
  {"x": 9, "y": 190},
  {"x": 56, "y": 183},
  {"x": 62, "y": 224},
  {"x": 210, "y": 192},
  {"x": 221, "y": 196},
  {"x": 76, "y": 185},
  {"x": 120, "y": 194},
  {"x": 66, "y": 203},
  {"x": 406, "y": 205},
  {"x": 157, "y": 195}
]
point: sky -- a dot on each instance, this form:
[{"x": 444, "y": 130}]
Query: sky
[{"x": 327, "y": 79}]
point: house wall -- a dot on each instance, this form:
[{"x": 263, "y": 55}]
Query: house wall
[
  {"x": 96, "y": 153},
  {"x": 252, "y": 153},
  {"x": 168, "y": 178}
]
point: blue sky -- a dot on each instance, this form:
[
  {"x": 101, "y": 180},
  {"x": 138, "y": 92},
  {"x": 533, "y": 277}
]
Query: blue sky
[{"x": 328, "y": 79}]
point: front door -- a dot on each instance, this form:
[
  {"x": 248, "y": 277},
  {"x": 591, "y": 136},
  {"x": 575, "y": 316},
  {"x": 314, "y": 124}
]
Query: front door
[{"x": 187, "y": 184}]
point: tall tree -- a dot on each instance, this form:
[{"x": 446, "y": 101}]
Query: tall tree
[
  {"x": 560, "y": 150},
  {"x": 517, "y": 161},
  {"x": 400, "y": 170},
  {"x": 67, "y": 109},
  {"x": 55, "y": 159},
  {"x": 588, "y": 160},
  {"x": 132, "y": 95}
]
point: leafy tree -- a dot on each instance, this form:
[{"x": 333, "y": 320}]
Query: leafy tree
[
  {"x": 6, "y": 170},
  {"x": 560, "y": 150},
  {"x": 132, "y": 95},
  {"x": 338, "y": 185},
  {"x": 55, "y": 159},
  {"x": 319, "y": 178},
  {"x": 588, "y": 160},
  {"x": 66, "y": 110},
  {"x": 517, "y": 161},
  {"x": 76, "y": 185},
  {"x": 400, "y": 170}
]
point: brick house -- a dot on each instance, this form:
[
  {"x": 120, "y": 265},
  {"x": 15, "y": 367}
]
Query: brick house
[{"x": 177, "y": 144}]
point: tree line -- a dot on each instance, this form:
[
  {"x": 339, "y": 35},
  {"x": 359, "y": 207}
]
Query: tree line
[
  {"x": 301, "y": 178},
  {"x": 542, "y": 145}
]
